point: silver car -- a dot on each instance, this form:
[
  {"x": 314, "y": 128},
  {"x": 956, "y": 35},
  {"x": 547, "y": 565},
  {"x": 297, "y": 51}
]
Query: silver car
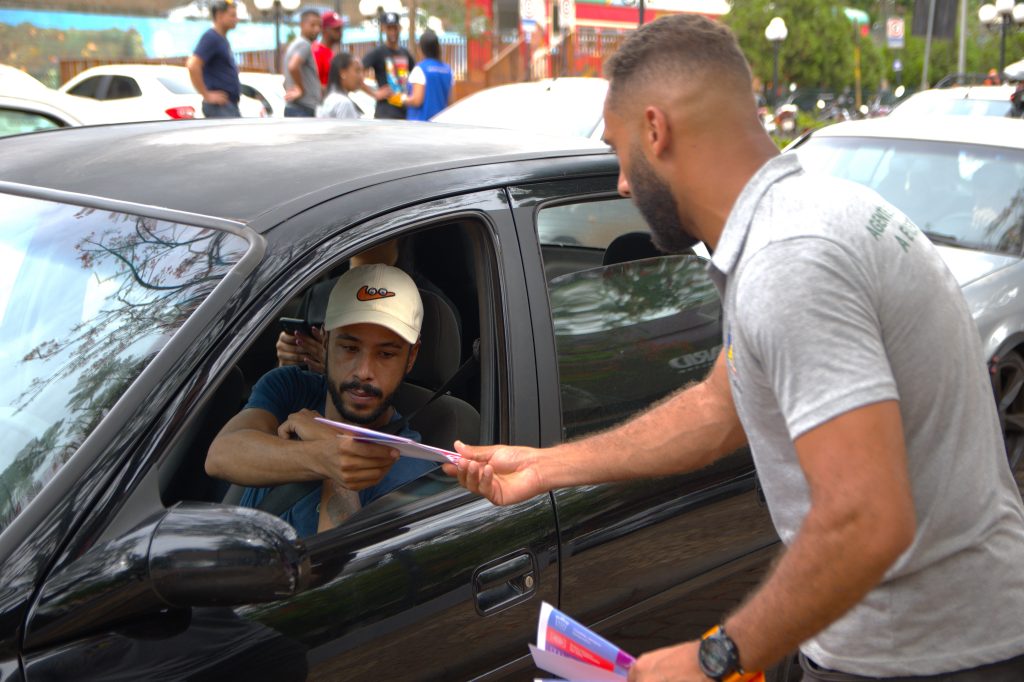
[{"x": 962, "y": 183}]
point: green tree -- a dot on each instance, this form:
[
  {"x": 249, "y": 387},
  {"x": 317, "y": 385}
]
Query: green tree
[{"x": 818, "y": 52}]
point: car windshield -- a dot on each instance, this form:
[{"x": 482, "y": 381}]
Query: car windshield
[
  {"x": 970, "y": 195},
  {"x": 179, "y": 86},
  {"x": 575, "y": 111},
  {"x": 87, "y": 298}
]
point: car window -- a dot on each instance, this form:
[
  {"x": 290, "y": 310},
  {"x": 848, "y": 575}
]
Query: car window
[
  {"x": 87, "y": 298},
  {"x": 122, "y": 87},
  {"x": 630, "y": 333},
  {"x": 969, "y": 194},
  {"x": 15, "y": 121},
  {"x": 591, "y": 225},
  {"x": 90, "y": 87}
]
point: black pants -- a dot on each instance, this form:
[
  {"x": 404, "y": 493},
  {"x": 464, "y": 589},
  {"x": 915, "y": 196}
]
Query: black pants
[{"x": 1011, "y": 670}]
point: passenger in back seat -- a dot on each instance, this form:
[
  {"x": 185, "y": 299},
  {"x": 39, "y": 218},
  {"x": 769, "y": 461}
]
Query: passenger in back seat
[{"x": 373, "y": 321}]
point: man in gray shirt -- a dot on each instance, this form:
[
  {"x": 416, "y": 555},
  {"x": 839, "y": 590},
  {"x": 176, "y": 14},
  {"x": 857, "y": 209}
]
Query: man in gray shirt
[
  {"x": 850, "y": 365},
  {"x": 302, "y": 90}
]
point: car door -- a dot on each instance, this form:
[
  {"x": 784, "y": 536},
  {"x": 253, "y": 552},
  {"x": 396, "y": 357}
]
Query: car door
[
  {"x": 640, "y": 559},
  {"x": 429, "y": 582}
]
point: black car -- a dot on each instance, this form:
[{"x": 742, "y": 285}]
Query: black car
[{"x": 143, "y": 270}]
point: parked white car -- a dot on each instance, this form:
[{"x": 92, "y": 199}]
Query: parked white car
[
  {"x": 561, "y": 106},
  {"x": 964, "y": 100},
  {"x": 43, "y": 110},
  {"x": 145, "y": 92}
]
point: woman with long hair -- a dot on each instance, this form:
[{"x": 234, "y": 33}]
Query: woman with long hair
[{"x": 345, "y": 75}]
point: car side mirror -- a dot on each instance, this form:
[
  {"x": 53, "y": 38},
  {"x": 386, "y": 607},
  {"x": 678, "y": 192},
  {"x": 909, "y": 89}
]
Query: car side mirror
[{"x": 193, "y": 554}]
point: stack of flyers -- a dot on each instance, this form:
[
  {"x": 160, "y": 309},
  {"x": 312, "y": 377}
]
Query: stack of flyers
[
  {"x": 576, "y": 653},
  {"x": 405, "y": 446}
]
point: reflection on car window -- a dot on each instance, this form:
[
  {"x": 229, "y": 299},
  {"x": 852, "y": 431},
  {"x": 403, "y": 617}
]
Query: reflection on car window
[
  {"x": 592, "y": 224},
  {"x": 15, "y": 122},
  {"x": 630, "y": 333},
  {"x": 87, "y": 298},
  {"x": 969, "y": 194}
]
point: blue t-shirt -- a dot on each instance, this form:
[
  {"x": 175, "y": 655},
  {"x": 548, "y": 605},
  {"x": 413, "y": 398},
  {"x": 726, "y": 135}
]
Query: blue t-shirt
[
  {"x": 436, "y": 78},
  {"x": 286, "y": 390},
  {"x": 220, "y": 72}
]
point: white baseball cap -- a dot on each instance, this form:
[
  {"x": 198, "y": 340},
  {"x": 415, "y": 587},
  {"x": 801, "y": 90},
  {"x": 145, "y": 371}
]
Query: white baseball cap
[{"x": 376, "y": 294}]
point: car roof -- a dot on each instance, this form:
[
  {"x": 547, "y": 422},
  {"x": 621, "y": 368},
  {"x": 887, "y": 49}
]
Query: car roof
[
  {"x": 986, "y": 92},
  {"x": 996, "y": 131},
  {"x": 243, "y": 168},
  {"x": 136, "y": 70}
]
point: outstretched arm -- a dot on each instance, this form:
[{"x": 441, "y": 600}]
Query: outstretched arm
[
  {"x": 861, "y": 520},
  {"x": 687, "y": 431}
]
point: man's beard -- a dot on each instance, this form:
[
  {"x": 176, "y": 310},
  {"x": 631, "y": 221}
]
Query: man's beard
[
  {"x": 335, "y": 392},
  {"x": 658, "y": 207}
]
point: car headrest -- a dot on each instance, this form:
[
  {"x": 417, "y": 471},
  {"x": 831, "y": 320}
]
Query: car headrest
[
  {"x": 630, "y": 246},
  {"x": 440, "y": 343}
]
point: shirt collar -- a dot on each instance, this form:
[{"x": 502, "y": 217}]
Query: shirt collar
[{"x": 737, "y": 226}]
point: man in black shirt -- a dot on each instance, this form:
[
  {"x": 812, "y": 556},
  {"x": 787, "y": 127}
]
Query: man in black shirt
[{"x": 391, "y": 65}]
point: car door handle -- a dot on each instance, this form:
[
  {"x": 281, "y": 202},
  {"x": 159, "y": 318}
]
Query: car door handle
[{"x": 504, "y": 582}]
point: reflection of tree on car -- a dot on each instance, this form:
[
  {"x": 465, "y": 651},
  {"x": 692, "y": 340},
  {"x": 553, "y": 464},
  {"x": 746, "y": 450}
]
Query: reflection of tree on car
[
  {"x": 642, "y": 315},
  {"x": 86, "y": 315}
]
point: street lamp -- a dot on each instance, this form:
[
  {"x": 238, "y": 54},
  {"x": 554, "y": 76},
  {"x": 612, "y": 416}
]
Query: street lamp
[
  {"x": 776, "y": 32},
  {"x": 1004, "y": 13},
  {"x": 277, "y": 6}
]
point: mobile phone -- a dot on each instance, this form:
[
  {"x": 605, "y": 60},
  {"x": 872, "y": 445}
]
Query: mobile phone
[{"x": 294, "y": 324}]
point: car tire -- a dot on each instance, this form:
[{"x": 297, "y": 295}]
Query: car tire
[{"x": 1008, "y": 386}]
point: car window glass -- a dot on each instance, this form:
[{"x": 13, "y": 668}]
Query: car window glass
[
  {"x": 972, "y": 194},
  {"x": 15, "y": 121},
  {"x": 122, "y": 87},
  {"x": 87, "y": 298},
  {"x": 591, "y": 225},
  {"x": 630, "y": 333},
  {"x": 87, "y": 88}
]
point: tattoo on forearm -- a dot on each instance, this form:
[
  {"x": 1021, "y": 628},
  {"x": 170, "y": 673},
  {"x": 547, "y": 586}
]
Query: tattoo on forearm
[{"x": 337, "y": 503}]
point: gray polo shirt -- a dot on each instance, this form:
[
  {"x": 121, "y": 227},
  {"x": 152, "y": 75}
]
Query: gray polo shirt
[
  {"x": 834, "y": 300},
  {"x": 311, "y": 88}
]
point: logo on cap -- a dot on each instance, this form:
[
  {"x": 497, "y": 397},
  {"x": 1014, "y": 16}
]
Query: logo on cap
[{"x": 373, "y": 294}]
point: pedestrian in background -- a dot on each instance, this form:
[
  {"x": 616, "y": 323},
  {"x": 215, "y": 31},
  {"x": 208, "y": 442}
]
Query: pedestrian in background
[
  {"x": 329, "y": 44},
  {"x": 302, "y": 90},
  {"x": 852, "y": 368},
  {"x": 346, "y": 75},
  {"x": 430, "y": 83},
  {"x": 212, "y": 66},
  {"x": 391, "y": 64}
]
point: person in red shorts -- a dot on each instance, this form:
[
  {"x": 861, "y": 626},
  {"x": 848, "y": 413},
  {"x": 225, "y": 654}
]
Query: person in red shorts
[{"x": 328, "y": 45}]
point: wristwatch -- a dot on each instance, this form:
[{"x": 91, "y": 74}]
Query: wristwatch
[{"x": 718, "y": 656}]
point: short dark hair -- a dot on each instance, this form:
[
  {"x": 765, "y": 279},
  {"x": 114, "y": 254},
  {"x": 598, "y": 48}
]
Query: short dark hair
[
  {"x": 339, "y": 63},
  {"x": 429, "y": 45},
  {"x": 680, "y": 45},
  {"x": 308, "y": 13},
  {"x": 218, "y": 6}
]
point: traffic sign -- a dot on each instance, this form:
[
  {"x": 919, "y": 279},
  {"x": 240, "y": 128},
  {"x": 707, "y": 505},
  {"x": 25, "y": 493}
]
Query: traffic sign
[{"x": 894, "y": 27}]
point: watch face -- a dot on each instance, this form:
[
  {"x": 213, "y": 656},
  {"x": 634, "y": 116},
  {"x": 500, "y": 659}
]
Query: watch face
[{"x": 717, "y": 656}]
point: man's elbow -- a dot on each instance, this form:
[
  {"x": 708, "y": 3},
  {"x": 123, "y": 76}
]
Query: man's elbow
[{"x": 215, "y": 459}]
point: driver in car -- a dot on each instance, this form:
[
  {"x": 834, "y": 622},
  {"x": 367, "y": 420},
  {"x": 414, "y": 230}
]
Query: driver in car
[{"x": 372, "y": 328}]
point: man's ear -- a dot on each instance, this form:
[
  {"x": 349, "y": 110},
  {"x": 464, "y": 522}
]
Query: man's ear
[
  {"x": 414, "y": 350},
  {"x": 657, "y": 134}
]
